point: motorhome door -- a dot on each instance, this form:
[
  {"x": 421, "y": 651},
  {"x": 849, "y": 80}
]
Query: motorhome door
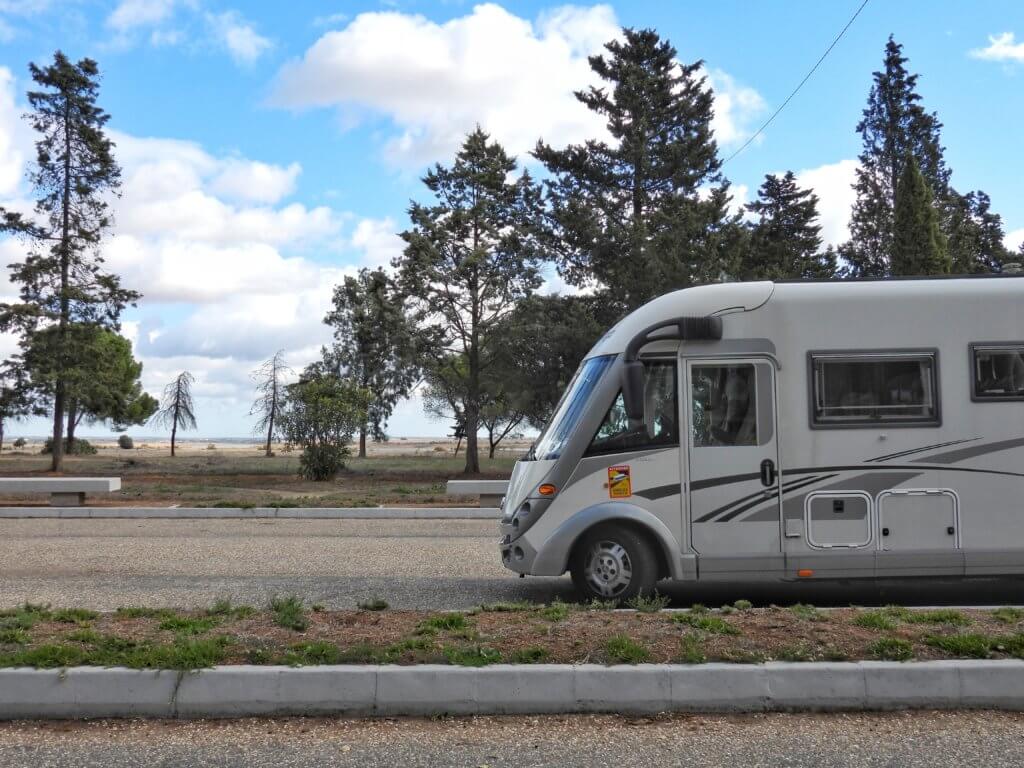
[{"x": 733, "y": 466}]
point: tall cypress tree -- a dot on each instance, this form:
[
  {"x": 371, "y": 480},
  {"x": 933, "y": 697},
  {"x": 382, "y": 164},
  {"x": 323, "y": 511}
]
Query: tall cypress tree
[
  {"x": 894, "y": 124},
  {"x": 647, "y": 212},
  {"x": 62, "y": 280},
  {"x": 785, "y": 241},
  {"x": 919, "y": 246}
]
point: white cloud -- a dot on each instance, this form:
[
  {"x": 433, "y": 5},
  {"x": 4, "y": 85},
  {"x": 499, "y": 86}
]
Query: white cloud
[
  {"x": 256, "y": 181},
  {"x": 242, "y": 42},
  {"x": 131, "y": 14},
  {"x": 833, "y": 184},
  {"x": 737, "y": 107},
  {"x": 13, "y": 139},
  {"x": 1001, "y": 47},
  {"x": 378, "y": 241},
  {"x": 513, "y": 77},
  {"x": 1014, "y": 239}
]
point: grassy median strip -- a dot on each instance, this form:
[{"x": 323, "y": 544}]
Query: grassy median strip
[{"x": 288, "y": 631}]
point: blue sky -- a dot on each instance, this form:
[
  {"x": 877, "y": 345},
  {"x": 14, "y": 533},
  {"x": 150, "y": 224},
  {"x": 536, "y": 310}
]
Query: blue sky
[{"x": 270, "y": 148}]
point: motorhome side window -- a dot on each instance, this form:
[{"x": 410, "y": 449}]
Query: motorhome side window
[
  {"x": 724, "y": 405},
  {"x": 867, "y": 389},
  {"x": 660, "y": 426},
  {"x": 998, "y": 371}
]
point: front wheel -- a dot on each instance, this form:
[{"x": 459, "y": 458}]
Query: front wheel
[{"x": 613, "y": 562}]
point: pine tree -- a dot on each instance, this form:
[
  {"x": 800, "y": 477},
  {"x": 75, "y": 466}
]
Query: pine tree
[
  {"x": 270, "y": 392},
  {"x": 647, "y": 212},
  {"x": 919, "y": 246},
  {"x": 894, "y": 124},
  {"x": 785, "y": 241},
  {"x": 16, "y": 396},
  {"x": 177, "y": 409},
  {"x": 373, "y": 345},
  {"x": 469, "y": 258},
  {"x": 62, "y": 280},
  {"x": 975, "y": 234}
]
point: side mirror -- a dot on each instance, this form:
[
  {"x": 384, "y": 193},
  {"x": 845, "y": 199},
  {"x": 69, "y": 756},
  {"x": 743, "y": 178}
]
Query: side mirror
[{"x": 633, "y": 390}]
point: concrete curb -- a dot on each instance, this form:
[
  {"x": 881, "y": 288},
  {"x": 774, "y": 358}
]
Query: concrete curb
[
  {"x": 257, "y": 513},
  {"x": 243, "y": 691}
]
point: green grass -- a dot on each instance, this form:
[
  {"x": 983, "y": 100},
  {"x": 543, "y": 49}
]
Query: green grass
[
  {"x": 79, "y": 616},
  {"x": 189, "y": 625},
  {"x": 743, "y": 605},
  {"x": 224, "y": 609},
  {"x": 880, "y": 620},
  {"x": 373, "y": 604},
  {"x": 691, "y": 650},
  {"x": 891, "y": 649},
  {"x": 308, "y": 654},
  {"x": 138, "y": 612},
  {"x": 948, "y": 616},
  {"x": 289, "y": 613},
  {"x": 474, "y": 656},
  {"x": 971, "y": 646},
  {"x": 444, "y": 622},
  {"x": 698, "y": 608},
  {"x": 183, "y": 654},
  {"x": 517, "y": 606},
  {"x": 649, "y": 604},
  {"x": 807, "y": 612},
  {"x": 1008, "y": 615},
  {"x": 24, "y": 616},
  {"x": 705, "y": 623},
  {"x": 531, "y": 655},
  {"x": 13, "y": 637},
  {"x": 555, "y": 612},
  {"x": 625, "y": 650}
]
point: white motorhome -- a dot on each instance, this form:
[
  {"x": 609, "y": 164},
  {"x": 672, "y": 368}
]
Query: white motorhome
[{"x": 784, "y": 431}]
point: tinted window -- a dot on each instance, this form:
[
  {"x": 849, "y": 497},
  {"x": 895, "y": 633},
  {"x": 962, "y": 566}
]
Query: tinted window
[
  {"x": 660, "y": 426},
  {"x": 724, "y": 405},
  {"x": 867, "y": 389},
  {"x": 998, "y": 371}
]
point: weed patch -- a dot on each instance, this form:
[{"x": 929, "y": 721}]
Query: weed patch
[
  {"x": 79, "y": 616},
  {"x": 532, "y": 655},
  {"x": 880, "y": 620},
  {"x": 289, "y": 613},
  {"x": 474, "y": 656},
  {"x": 189, "y": 625},
  {"x": 649, "y": 604},
  {"x": 948, "y": 616},
  {"x": 1008, "y": 615},
  {"x": 807, "y": 612},
  {"x": 625, "y": 650},
  {"x": 706, "y": 623},
  {"x": 556, "y": 611},
  {"x": 971, "y": 646},
  {"x": 891, "y": 649}
]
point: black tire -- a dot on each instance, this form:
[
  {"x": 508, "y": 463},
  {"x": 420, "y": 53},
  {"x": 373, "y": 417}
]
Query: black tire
[{"x": 612, "y": 546}]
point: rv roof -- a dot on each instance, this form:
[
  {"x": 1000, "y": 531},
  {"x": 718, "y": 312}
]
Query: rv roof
[{"x": 726, "y": 298}]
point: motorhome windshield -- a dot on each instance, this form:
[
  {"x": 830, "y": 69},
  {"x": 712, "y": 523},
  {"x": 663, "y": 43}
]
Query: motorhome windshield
[{"x": 571, "y": 407}]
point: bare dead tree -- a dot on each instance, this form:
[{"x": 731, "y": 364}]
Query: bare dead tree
[
  {"x": 176, "y": 408},
  {"x": 269, "y": 379}
]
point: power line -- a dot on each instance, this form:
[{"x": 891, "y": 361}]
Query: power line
[{"x": 807, "y": 77}]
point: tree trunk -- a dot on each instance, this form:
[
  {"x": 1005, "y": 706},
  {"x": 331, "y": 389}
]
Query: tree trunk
[
  {"x": 362, "y": 442},
  {"x": 273, "y": 410},
  {"x": 270, "y": 434},
  {"x": 72, "y": 423},
  {"x": 1, "y": 436},
  {"x": 472, "y": 425},
  {"x": 174, "y": 432},
  {"x": 491, "y": 446},
  {"x": 57, "y": 461}
]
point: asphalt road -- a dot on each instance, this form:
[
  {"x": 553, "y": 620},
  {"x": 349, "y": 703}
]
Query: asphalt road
[
  {"x": 103, "y": 564},
  {"x": 911, "y": 739}
]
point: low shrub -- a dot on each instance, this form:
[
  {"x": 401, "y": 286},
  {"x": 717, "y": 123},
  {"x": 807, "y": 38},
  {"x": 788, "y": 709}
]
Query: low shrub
[
  {"x": 79, "y": 447},
  {"x": 20, "y": 442},
  {"x": 373, "y": 604},
  {"x": 125, "y": 442},
  {"x": 289, "y": 613}
]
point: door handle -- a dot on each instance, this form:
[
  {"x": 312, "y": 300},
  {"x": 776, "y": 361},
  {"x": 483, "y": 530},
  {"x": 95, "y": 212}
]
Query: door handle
[{"x": 767, "y": 473}]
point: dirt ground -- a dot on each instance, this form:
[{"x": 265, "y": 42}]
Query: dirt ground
[
  {"x": 400, "y": 472},
  {"x": 518, "y": 633}
]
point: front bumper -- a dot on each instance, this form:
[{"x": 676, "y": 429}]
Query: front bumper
[{"x": 516, "y": 554}]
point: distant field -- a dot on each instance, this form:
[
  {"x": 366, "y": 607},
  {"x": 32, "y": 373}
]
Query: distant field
[{"x": 397, "y": 473}]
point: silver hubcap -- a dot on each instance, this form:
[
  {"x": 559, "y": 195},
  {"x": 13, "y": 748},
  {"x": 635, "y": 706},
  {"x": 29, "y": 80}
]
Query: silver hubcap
[{"x": 608, "y": 569}]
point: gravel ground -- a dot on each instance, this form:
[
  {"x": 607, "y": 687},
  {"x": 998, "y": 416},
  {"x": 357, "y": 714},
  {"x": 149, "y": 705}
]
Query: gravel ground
[
  {"x": 899, "y": 739},
  {"x": 103, "y": 564}
]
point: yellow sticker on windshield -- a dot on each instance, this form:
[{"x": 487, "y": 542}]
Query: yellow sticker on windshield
[{"x": 619, "y": 485}]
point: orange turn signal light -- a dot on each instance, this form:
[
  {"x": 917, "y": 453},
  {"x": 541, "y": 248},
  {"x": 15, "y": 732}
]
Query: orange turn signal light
[
  {"x": 547, "y": 489},
  {"x": 804, "y": 573}
]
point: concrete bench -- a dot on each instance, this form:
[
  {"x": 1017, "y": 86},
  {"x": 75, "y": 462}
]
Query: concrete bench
[
  {"x": 64, "y": 491},
  {"x": 489, "y": 491}
]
